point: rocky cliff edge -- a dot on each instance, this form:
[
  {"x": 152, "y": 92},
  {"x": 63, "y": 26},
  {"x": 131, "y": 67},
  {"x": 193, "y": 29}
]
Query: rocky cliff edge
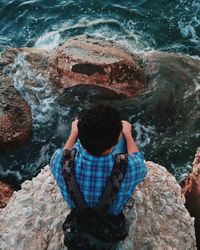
[{"x": 158, "y": 219}]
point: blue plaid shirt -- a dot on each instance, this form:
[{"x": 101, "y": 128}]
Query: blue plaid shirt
[{"x": 92, "y": 174}]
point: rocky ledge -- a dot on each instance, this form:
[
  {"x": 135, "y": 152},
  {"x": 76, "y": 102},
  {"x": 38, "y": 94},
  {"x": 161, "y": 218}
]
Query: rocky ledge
[{"x": 156, "y": 213}]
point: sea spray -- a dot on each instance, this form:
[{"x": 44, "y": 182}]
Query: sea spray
[{"x": 34, "y": 88}]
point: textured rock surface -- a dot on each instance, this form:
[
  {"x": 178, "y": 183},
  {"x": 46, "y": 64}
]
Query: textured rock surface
[
  {"x": 15, "y": 116},
  {"x": 5, "y": 194},
  {"x": 158, "y": 218},
  {"x": 191, "y": 189},
  {"x": 79, "y": 61},
  {"x": 97, "y": 62}
]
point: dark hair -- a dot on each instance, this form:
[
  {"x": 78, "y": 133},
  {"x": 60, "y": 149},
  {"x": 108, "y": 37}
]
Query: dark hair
[{"x": 99, "y": 128}]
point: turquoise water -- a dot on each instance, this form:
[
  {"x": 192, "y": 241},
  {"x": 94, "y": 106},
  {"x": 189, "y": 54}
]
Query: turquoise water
[{"x": 140, "y": 26}]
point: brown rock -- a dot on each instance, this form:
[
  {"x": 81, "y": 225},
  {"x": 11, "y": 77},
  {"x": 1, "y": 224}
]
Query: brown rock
[
  {"x": 94, "y": 62},
  {"x": 5, "y": 194},
  {"x": 191, "y": 190},
  {"x": 15, "y": 113},
  {"x": 15, "y": 116}
]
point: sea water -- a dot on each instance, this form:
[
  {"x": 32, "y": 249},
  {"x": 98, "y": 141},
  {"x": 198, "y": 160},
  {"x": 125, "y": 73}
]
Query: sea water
[{"x": 140, "y": 25}]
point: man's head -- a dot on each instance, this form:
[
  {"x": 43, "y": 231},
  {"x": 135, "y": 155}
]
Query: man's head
[{"x": 99, "y": 128}]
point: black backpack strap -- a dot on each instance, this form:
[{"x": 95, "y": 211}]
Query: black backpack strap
[
  {"x": 70, "y": 179},
  {"x": 114, "y": 183}
]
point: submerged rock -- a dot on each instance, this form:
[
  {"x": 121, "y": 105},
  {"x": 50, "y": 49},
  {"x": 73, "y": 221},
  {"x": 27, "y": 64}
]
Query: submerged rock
[
  {"x": 156, "y": 213},
  {"x": 5, "y": 194},
  {"x": 174, "y": 80}
]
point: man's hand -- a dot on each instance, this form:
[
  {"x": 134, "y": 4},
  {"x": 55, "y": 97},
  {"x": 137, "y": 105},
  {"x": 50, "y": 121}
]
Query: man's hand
[
  {"x": 74, "y": 128},
  {"x": 73, "y": 135},
  {"x": 126, "y": 128}
]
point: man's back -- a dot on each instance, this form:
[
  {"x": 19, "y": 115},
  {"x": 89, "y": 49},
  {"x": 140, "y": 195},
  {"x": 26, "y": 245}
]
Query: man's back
[{"x": 92, "y": 173}]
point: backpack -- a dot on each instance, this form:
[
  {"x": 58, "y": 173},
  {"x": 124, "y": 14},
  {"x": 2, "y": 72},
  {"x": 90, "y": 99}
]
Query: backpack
[{"x": 94, "y": 228}]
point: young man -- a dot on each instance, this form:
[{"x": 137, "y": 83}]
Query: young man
[{"x": 98, "y": 134}]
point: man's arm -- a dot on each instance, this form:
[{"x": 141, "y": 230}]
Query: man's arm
[
  {"x": 73, "y": 136},
  {"x": 126, "y": 130}
]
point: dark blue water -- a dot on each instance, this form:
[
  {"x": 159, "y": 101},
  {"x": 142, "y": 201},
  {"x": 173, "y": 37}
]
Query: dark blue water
[
  {"x": 159, "y": 24},
  {"x": 144, "y": 25}
]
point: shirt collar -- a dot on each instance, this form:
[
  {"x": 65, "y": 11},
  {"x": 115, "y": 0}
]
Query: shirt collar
[{"x": 87, "y": 155}]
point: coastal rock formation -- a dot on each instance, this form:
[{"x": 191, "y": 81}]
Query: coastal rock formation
[
  {"x": 25, "y": 72},
  {"x": 166, "y": 84},
  {"x": 15, "y": 116},
  {"x": 156, "y": 213},
  {"x": 83, "y": 61},
  {"x": 191, "y": 190},
  {"x": 95, "y": 62},
  {"x": 5, "y": 194}
]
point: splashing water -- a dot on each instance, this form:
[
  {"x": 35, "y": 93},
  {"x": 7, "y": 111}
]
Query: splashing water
[{"x": 34, "y": 88}]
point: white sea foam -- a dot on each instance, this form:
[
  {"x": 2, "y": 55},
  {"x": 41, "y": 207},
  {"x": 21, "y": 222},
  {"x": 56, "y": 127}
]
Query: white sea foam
[
  {"x": 7, "y": 172},
  {"x": 197, "y": 135},
  {"x": 188, "y": 28},
  {"x": 187, "y": 94},
  {"x": 48, "y": 41},
  {"x": 194, "y": 89},
  {"x": 195, "y": 57},
  {"x": 84, "y": 22},
  {"x": 143, "y": 133},
  {"x": 61, "y": 130},
  {"x": 27, "y": 3},
  {"x": 99, "y": 28},
  {"x": 197, "y": 84},
  {"x": 181, "y": 172},
  {"x": 33, "y": 88}
]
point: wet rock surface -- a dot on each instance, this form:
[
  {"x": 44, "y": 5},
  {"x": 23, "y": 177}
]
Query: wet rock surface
[
  {"x": 191, "y": 190},
  {"x": 5, "y": 194},
  {"x": 15, "y": 116},
  {"x": 15, "y": 112},
  {"x": 96, "y": 62},
  {"x": 156, "y": 213}
]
